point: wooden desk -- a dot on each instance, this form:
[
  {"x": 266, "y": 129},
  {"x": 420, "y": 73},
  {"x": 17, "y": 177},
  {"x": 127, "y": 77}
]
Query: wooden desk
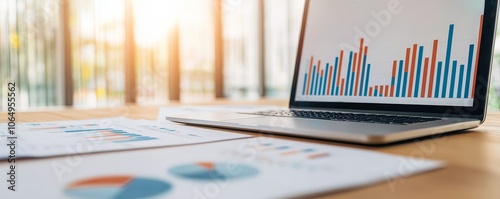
[{"x": 472, "y": 157}]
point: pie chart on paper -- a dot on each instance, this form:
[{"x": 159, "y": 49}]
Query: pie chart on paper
[
  {"x": 211, "y": 170},
  {"x": 117, "y": 187}
]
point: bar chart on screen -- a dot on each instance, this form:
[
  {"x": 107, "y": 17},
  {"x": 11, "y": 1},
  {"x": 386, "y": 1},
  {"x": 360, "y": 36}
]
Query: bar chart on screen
[
  {"x": 436, "y": 68},
  {"x": 411, "y": 76}
]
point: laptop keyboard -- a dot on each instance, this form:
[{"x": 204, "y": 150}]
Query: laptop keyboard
[{"x": 349, "y": 117}]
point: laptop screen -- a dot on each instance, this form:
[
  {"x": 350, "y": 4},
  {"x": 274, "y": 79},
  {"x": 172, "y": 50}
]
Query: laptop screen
[{"x": 421, "y": 52}]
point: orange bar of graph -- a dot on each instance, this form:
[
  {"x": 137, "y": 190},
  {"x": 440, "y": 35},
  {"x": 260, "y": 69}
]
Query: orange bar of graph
[
  {"x": 319, "y": 65},
  {"x": 355, "y": 71},
  {"x": 355, "y": 62},
  {"x": 386, "y": 91},
  {"x": 394, "y": 66},
  {"x": 433, "y": 68},
  {"x": 424, "y": 81},
  {"x": 361, "y": 51},
  {"x": 371, "y": 91},
  {"x": 408, "y": 50},
  {"x": 340, "y": 67},
  {"x": 412, "y": 73},
  {"x": 316, "y": 156},
  {"x": 330, "y": 80},
  {"x": 360, "y": 60},
  {"x": 342, "y": 87},
  {"x": 290, "y": 152},
  {"x": 309, "y": 75}
]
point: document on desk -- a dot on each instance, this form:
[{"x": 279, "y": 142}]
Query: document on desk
[
  {"x": 246, "y": 168},
  {"x": 109, "y": 134}
]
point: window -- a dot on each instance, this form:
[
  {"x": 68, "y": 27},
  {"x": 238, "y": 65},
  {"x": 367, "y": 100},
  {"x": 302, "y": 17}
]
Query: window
[
  {"x": 153, "y": 28},
  {"x": 97, "y": 42},
  {"x": 283, "y": 20},
  {"x": 197, "y": 50},
  {"x": 30, "y": 50},
  {"x": 91, "y": 53},
  {"x": 241, "y": 49},
  {"x": 494, "y": 101}
]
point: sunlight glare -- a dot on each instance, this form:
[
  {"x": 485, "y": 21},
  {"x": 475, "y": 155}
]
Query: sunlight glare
[{"x": 153, "y": 20}]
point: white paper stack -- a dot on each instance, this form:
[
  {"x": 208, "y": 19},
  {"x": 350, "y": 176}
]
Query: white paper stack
[{"x": 245, "y": 168}]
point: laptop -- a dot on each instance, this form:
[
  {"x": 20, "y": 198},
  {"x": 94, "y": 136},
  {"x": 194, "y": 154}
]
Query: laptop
[{"x": 381, "y": 71}]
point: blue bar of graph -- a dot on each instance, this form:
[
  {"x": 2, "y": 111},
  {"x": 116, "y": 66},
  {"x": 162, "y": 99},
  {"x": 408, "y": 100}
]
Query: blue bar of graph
[
  {"x": 419, "y": 71},
  {"x": 135, "y": 139},
  {"x": 305, "y": 84},
  {"x": 348, "y": 75},
  {"x": 313, "y": 90},
  {"x": 438, "y": 79},
  {"x": 335, "y": 76},
  {"x": 453, "y": 78},
  {"x": 362, "y": 77},
  {"x": 320, "y": 87},
  {"x": 375, "y": 93},
  {"x": 461, "y": 82},
  {"x": 368, "y": 70},
  {"x": 318, "y": 82},
  {"x": 351, "y": 88},
  {"x": 326, "y": 78},
  {"x": 469, "y": 71},
  {"x": 447, "y": 61},
  {"x": 87, "y": 130},
  {"x": 405, "y": 85},
  {"x": 282, "y": 148},
  {"x": 445, "y": 81},
  {"x": 400, "y": 75},
  {"x": 128, "y": 134},
  {"x": 305, "y": 80}
]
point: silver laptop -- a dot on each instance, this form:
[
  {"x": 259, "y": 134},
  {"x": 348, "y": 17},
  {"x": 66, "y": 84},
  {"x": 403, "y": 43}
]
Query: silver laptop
[{"x": 381, "y": 71}]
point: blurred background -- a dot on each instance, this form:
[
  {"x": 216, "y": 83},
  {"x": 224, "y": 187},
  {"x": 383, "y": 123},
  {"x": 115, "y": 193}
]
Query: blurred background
[{"x": 107, "y": 53}]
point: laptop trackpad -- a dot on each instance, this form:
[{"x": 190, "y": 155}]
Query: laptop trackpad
[{"x": 277, "y": 122}]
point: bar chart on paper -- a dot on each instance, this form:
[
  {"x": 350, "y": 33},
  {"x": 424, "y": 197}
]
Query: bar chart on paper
[
  {"x": 437, "y": 68},
  {"x": 44, "y": 139}
]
